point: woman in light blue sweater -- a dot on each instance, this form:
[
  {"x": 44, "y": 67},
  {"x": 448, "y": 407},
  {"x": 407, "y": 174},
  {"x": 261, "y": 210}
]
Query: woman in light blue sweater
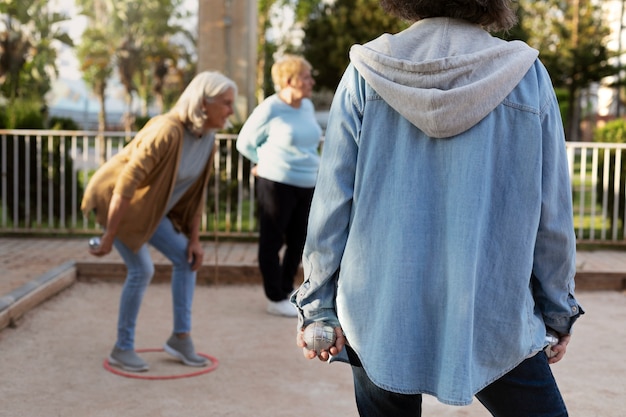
[{"x": 282, "y": 138}]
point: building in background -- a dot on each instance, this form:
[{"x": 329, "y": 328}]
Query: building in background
[{"x": 607, "y": 97}]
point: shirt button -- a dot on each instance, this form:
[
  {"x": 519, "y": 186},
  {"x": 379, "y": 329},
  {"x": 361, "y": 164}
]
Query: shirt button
[{"x": 574, "y": 309}]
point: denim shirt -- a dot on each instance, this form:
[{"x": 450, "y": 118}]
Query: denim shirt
[{"x": 443, "y": 260}]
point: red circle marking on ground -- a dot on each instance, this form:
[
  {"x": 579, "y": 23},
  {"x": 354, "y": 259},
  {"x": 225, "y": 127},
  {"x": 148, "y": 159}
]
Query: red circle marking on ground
[{"x": 137, "y": 375}]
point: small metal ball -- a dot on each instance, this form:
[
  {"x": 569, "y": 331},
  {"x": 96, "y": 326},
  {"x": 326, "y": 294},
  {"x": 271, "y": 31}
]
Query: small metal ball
[
  {"x": 94, "y": 243},
  {"x": 319, "y": 336},
  {"x": 551, "y": 340}
]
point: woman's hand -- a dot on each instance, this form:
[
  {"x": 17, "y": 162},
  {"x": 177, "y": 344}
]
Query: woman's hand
[
  {"x": 105, "y": 247},
  {"x": 117, "y": 208},
  {"x": 560, "y": 348},
  {"x": 324, "y": 355},
  {"x": 195, "y": 254}
]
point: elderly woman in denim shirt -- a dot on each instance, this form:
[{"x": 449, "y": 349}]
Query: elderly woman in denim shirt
[{"x": 440, "y": 242}]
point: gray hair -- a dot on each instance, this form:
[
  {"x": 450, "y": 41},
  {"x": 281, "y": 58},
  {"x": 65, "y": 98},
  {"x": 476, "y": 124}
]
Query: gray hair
[{"x": 205, "y": 86}]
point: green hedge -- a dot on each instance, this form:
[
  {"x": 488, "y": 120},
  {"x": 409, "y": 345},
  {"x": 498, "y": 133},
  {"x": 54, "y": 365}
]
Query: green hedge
[{"x": 31, "y": 115}]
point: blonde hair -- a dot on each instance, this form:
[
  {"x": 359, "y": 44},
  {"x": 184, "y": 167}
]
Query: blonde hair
[
  {"x": 205, "y": 86},
  {"x": 286, "y": 68}
]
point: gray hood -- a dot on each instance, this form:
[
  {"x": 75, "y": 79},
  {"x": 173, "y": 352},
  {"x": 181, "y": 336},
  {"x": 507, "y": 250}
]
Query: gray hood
[{"x": 443, "y": 75}]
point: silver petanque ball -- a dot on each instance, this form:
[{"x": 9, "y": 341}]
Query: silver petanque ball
[
  {"x": 551, "y": 340},
  {"x": 319, "y": 336},
  {"x": 94, "y": 243}
]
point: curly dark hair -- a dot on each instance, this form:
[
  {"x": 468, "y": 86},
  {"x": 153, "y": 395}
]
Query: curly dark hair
[{"x": 496, "y": 15}]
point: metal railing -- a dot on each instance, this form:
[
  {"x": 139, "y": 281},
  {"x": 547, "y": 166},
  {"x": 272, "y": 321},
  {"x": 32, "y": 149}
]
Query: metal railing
[
  {"x": 44, "y": 173},
  {"x": 598, "y": 176}
]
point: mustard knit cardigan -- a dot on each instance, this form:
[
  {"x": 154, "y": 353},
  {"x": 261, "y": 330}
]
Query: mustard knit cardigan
[{"x": 144, "y": 171}]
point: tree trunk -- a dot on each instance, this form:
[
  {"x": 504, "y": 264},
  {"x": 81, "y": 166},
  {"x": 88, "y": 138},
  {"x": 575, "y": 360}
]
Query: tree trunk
[
  {"x": 101, "y": 129},
  {"x": 573, "y": 116},
  {"x": 128, "y": 117}
]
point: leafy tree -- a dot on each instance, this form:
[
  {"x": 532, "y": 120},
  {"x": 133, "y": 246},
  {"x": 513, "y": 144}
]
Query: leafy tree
[
  {"x": 266, "y": 49},
  {"x": 263, "y": 47},
  {"x": 333, "y": 28},
  {"x": 95, "y": 54},
  {"x": 169, "y": 65},
  {"x": 27, "y": 52},
  {"x": 146, "y": 48},
  {"x": 175, "y": 80},
  {"x": 571, "y": 38},
  {"x": 137, "y": 38}
]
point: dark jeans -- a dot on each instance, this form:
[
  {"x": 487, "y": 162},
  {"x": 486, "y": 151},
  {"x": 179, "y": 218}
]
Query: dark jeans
[
  {"x": 283, "y": 216},
  {"x": 527, "y": 391}
]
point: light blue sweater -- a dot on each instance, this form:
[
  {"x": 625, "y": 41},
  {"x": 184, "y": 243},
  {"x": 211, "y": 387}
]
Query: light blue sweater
[{"x": 283, "y": 141}]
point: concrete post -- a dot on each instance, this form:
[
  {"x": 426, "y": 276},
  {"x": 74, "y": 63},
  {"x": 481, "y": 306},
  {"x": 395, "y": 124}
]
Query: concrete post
[{"x": 227, "y": 42}]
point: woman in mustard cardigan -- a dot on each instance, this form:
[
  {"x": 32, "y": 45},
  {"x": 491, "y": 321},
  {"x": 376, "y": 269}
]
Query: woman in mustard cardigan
[{"x": 152, "y": 192}]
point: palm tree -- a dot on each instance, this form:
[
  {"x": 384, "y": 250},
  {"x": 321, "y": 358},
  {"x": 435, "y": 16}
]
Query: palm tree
[
  {"x": 27, "y": 52},
  {"x": 94, "y": 53},
  {"x": 146, "y": 48}
]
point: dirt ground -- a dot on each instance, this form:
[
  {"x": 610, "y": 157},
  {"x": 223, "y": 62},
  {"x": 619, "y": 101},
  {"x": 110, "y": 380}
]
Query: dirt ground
[{"x": 51, "y": 364}]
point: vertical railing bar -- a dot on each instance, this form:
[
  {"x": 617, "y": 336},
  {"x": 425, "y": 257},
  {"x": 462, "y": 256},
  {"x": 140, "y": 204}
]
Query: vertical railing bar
[
  {"x": 581, "y": 189},
  {"x": 204, "y": 224},
  {"x": 229, "y": 198},
  {"x": 203, "y": 221},
  {"x": 252, "y": 186},
  {"x": 62, "y": 190},
  {"x": 86, "y": 171},
  {"x": 624, "y": 217},
  {"x": 27, "y": 183},
  {"x": 594, "y": 185},
  {"x": 74, "y": 199},
  {"x": 16, "y": 163},
  {"x": 97, "y": 145},
  {"x": 605, "y": 192},
  {"x": 216, "y": 190},
  {"x": 571, "y": 160},
  {"x": 239, "y": 192},
  {"x": 4, "y": 181},
  {"x": 50, "y": 182},
  {"x": 39, "y": 182},
  {"x": 616, "y": 187},
  {"x": 108, "y": 143}
]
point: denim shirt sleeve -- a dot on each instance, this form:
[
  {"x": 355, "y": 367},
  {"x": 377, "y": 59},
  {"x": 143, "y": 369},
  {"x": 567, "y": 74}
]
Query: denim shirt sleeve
[
  {"x": 554, "y": 265},
  {"x": 329, "y": 219}
]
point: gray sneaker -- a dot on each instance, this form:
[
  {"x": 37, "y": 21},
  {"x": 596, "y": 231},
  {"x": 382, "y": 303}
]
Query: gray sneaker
[
  {"x": 183, "y": 349},
  {"x": 127, "y": 360}
]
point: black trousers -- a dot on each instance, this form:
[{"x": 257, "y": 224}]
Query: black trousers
[
  {"x": 529, "y": 390},
  {"x": 283, "y": 215}
]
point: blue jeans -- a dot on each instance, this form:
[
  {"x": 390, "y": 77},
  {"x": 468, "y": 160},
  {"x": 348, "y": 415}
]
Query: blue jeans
[
  {"x": 529, "y": 390},
  {"x": 140, "y": 271}
]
